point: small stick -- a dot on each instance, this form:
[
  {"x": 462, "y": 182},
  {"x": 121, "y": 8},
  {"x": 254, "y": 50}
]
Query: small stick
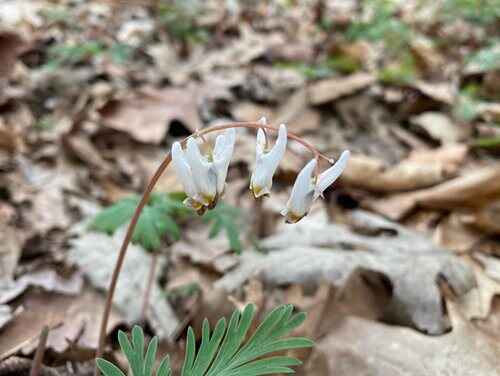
[
  {"x": 40, "y": 351},
  {"x": 149, "y": 286}
]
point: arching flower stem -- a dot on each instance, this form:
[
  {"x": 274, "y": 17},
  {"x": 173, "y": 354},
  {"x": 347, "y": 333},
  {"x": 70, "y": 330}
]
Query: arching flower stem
[{"x": 145, "y": 198}]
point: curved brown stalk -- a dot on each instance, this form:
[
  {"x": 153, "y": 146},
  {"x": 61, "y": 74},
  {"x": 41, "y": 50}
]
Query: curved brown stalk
[{"x": 145, "y": 198}]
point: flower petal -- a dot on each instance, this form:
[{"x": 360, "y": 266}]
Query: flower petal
[
  {"x": 329, "y": 176},
  {"x": 267, "y": 163},
  {"x": 183, "y": 170},
  {"x": 261, "y": 144},
  {"x": 205, "y": 179},
  {"x": 223, "y": 151},
  {"x": 301, "y": 198},
  {"x": 278, "y": 151}
]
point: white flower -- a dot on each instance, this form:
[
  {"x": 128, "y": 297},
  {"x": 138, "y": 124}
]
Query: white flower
[
  {"x": 203, "y": 177},
  {"x": 223, "y": 150},
  {"x": 306, "y": 189},
  {"x": 266, "y": 162}
]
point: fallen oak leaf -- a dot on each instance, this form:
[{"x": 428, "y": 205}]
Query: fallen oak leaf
[
  {"x": 311, "y": 251},
  {"x": 419, "y": 170},
  {"x": 360, "y": 347},
  {"x": 147, "y": 115},
  {"x": 475, "y": 188},
  {"x": 328, "y": 90}
]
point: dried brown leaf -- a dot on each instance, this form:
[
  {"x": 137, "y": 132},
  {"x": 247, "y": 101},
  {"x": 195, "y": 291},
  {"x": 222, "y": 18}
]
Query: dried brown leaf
[
  {"x": 146, "y": 116},
  {"x": 333, "y": 88}
]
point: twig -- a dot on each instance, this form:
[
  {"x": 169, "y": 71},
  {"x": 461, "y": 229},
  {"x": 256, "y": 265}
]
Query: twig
[
  {"x": 145, "y": 198},
  {"x": 149, "y": 286},
  {"x": 40, "y": 351}
]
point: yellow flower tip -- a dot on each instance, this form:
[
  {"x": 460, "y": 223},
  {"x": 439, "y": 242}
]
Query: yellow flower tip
[
  {"x": 193, "y": 204},
  {"x": 208, "y": 200},
  {"x": 259, "y": 191},
  {"x": 214, "y": 202},
  {"x": 292, "y": 217}
]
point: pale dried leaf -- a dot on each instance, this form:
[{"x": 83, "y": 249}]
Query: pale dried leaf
[
  {"x": 333, "y": 88},
  {"x": 472, "y": 189},
  {"x": 146, "y": 116},
  {"x": 96, "y": 253},
  {"x": 420, "y": 169},
  {"x": 360, "y": 347},
  {"x": 440, "y": 127},
  {"x": 311, "y": 251}
]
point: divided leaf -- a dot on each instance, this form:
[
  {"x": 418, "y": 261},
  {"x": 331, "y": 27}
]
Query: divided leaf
[
  {"x": 224, "y": 351},
  {"x": 231, "y": 356},
  {"x": 157, "y": 218},
  {"x": 141, "y": 364}
]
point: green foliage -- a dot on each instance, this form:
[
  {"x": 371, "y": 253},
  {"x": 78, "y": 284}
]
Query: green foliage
[
  {"x": 481, "y": 12},
  {"x": 179, "y": 19},
  {"x": 141, "y": 363},
  {"x": 343, "y": 63},
  {"x": 486, "y": 59},
  {"x": 45, "y": 123},
  {"x": 75, "y": 53},
  {"x": 382, "y": 25},
  {"x": 72, "y": 53},
  {"x": 225, "y": 217},
  {"x": 157, "y": 218},
  {"x": 309, "y": 71},
  {"x": 120, "y": 53},
  {"x": 328, "y": 68},
  {"x": 401, "y": 73},
  {"x": 487, "y": 142},
  {"x": 466, "y": 107},
  {"x": 224, "y": 351},
  {"x": 56, "y": 15},
  {"x": 184, "y": 291}
]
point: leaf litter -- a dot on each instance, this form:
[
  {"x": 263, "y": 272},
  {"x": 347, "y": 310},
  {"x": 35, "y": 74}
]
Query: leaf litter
[{"x": 92, "y": 95}]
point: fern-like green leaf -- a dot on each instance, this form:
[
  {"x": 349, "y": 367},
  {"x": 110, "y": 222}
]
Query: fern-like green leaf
[
  {"x": 141, "y": 364},
  {"x": 225, "y": 217},
  {"x": 108, "y": 368},
  {"x": 224, "y": 353},
  {"x": 157, "y": 218}
]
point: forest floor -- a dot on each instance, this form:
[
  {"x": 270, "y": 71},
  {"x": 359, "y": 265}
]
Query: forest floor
[{"x": 398, "y": 267}]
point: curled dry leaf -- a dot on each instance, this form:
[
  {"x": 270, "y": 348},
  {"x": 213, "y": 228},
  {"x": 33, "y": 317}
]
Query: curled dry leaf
[
  {"x": 294, "y": 112},
  {"x": 361, "y": 347},
  {"x": 72, "y": 319},
  {"x": 46, "y": 279},
  {"x": 440, "y": 127},
  {"x": 486, "y": 218},
  {"x": 476, "y": 304},
  {"x": 439, "y": 91},
  {"x": 475, "y": 188},
  {"x": 147, "y": 115},
  {"x": 453, "y": 233},
  {"x": 11, "y": 46},
  {"x": 420, "y": 169},
  {"x": 311, "y": 251},
  {"x": 330, "y": 89}
]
